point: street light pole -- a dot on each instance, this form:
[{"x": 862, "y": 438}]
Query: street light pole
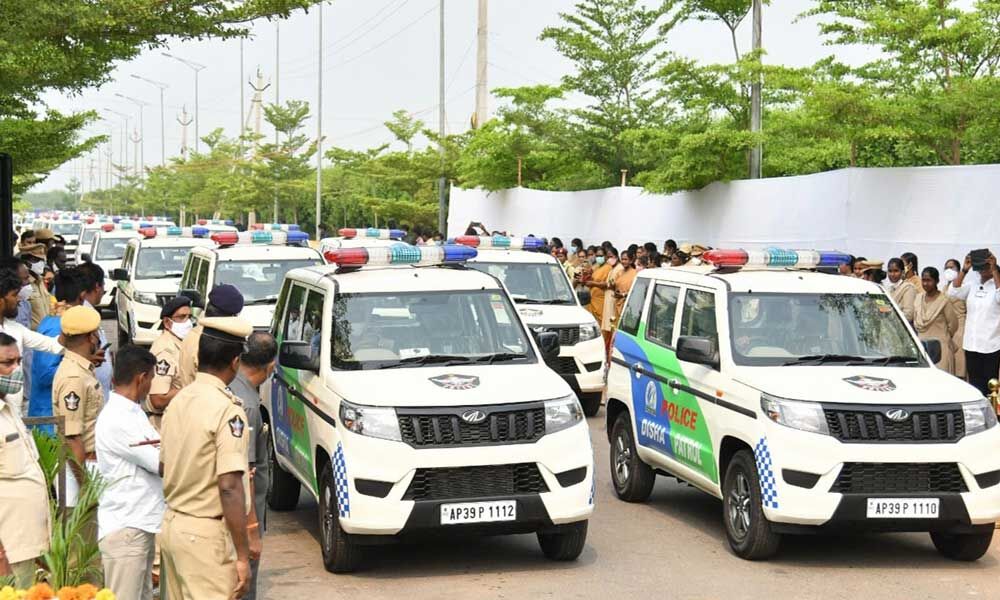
[
  {"x": 163, "y": 137},
  {"x": 755, "y": 97},
  {"x": 441, "y": 127},
  {"x": 142, "y": 132},
  {"x": 196, "y": 67},
  {"x": 124, "y": 146},
  {"x": 319, "y": 126}
]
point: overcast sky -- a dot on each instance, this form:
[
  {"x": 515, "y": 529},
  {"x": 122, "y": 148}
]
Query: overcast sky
[{"x": 380, "y": 56}]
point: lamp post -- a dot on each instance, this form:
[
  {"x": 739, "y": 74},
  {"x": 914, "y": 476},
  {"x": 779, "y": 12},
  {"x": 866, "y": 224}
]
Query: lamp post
[
  {"x": 163, "y": 138},
  {"x": 196, "y": 67},
  {"x": 142, "y": 132}
]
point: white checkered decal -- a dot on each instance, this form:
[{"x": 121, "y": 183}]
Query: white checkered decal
[
  {"x": 339, "y": 466},
  {"x": 768, "y": 485}
]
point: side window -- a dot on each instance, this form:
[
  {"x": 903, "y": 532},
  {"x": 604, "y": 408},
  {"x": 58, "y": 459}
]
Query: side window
[
  {"x": 662, "y": 312},
  {"x": 293, "y": 327},
  {"x": 186, "y": 277},
  {"x": 633, "y": 309},
  {"x": 202, "y": 278},
  {"x": 279, "y": 308},
  {"x": 312, "y": 321},
  {"x": 699, "y": 315}
]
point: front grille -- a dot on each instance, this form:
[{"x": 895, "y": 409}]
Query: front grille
[
  {"x": 568, "y": 335},
  {"x": 504, "y": 424},
  {"x": 871, "y": 425},
  {"x": 899, "y": 478},
  {"x": 564, "y": 365},
  {"x": 464, "y": 483},
  {"x": 162, "y": 299}
]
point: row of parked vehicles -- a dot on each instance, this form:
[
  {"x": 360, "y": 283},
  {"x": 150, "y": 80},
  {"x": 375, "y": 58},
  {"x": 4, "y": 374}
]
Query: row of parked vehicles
[{"x": 445, "y": 388}]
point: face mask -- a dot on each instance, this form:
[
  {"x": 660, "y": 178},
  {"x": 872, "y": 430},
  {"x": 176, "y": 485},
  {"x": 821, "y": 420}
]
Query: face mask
[
  {"x": 182, "y": 328},
  {"x": 599, "y": 260},
  {"x": 38, "y": 268},
  {"x": 11, "y": 384},
  {"x": 950, "y": 275},
  {"x": 25, "y": 293}
]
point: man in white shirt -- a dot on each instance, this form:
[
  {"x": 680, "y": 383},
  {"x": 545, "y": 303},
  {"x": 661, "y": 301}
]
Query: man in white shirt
[
  {"x": 982, "y": 321},
  {"x": 131, "y": 509}
]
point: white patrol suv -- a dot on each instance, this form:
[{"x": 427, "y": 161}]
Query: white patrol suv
[
  {"x": 361, "y": 237},
  {"x": 106, "y": 250},
  {"x": 256, "y": 269},
  {"x": 69, "y": 229},
  {"x": 803, "y": 400},
  {"x": 411, "y": 400},
  {"x": 546, "y": 302},
  {"x": 149, "y": 277}
]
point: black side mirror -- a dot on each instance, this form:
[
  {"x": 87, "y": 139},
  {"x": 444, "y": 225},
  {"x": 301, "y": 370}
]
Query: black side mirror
[
  {"x": 584, "y": 297},
  {"x": 698, "y": 350},
  {"x": 196, "y": 300},
  {"x": 295, "y": 354},
  {"x": 933, "y": 348},
  {"x": 548, "y": 344},
  {"x": 119, "y": 274}
]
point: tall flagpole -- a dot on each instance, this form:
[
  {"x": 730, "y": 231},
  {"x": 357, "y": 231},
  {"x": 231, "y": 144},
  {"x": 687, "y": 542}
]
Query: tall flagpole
[{"x": 319, "y": 125}]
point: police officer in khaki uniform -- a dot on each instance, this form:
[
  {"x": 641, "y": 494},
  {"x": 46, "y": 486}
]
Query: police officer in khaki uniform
[
  {"x": 223, "y": 301},
  {"x": 24, "y": 497},
  {"x": 176, "y": 323},
  {"x": 76, "y": 393},
  {"x": 203, "y": 449}
]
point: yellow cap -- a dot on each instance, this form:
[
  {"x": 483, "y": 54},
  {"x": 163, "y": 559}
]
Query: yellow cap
[
  {"x": 79, "y": 320},
  {"x": 226, "y": 328},
  {"x": 42, "y": 235}
]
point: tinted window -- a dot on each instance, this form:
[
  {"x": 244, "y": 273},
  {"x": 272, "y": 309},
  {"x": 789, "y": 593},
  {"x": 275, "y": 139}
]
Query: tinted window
[
  {"x": 258, "y": 281},
  {"x": 699, "y": 315},
  {"x": 111, "y": 248},
  {"x": 292, "y": 331},
  {"x": 662, "y": 311},
  {"x": 531, "y": 282},
  {"x": 312, "y": 321},
  {"x": 160, "y": 263},
  {"x": 633, "y": 308}
]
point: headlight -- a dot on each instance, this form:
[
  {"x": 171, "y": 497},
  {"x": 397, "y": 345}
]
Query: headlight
[
  {"x": 562, "y": 413},
  {"x": 805, "y": 416},
  {"x": 979, "y": 416},
  {"x": 589, "y": 332},
  {"x": 371, "y": 421},
  {"x": 144, "y": 298}
]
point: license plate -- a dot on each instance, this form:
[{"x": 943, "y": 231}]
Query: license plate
[
  {"x": 478, "y": 512},
  {"x": 904, "y": 508}
]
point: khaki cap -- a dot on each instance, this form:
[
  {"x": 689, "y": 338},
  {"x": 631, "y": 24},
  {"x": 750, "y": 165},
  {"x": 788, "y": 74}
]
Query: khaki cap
[
  {"x": 79, "y": 320},
  {"x": 42, "y": 235},
  {"x": 230, "y": 329}
]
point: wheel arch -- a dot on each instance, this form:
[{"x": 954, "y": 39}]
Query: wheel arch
[
  {"x": 321, "y": 458},
  {"x": 614, "y": 408},
  {"x": 728, "y": 448}
]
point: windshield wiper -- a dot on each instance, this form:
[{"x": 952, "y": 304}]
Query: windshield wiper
[
  {"x": 823, "y": 358},
  {"x": 500, "y": 357},
  {"x": 164, "y": 276},
  {"x": 430, "y": 359},
  {"x": 540, "y": 301},
  {"x": 894, "y": 359},
  {"x": 267, "y": 300}
]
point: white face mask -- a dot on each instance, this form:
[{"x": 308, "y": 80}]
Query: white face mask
[
  {"x": 182, "y": 328},
  {"x": 38, "y": 268},
  {"x": 25, "y": 293},
  {"x": 950, "y": 275}
]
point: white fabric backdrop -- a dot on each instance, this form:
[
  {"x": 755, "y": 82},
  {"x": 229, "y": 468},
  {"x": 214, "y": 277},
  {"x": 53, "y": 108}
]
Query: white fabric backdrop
[{"x": 936, "y": 213}]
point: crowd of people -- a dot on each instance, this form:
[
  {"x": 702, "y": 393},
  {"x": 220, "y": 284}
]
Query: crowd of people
[
  {"x": 959, "y": 305},
  {"x": 174, "y": 432}
]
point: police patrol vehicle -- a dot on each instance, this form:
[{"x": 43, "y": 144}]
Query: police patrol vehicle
[
  {"x": 361, "y": 237},
  {"x": 409, "y": 398},
  {"x": 253, "y": 261},
  {"x": 803, "y": 400},
  {"x": 546, "y": 302},
  {"x": 149, "y": 276},
  {"x": 107, "y": 249}
]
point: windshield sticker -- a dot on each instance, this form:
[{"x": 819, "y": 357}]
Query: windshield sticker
[
  {"x": 872, "y": 384},
  {"x": 456, "y": 382},
  {"x": 411, "y": 352}
]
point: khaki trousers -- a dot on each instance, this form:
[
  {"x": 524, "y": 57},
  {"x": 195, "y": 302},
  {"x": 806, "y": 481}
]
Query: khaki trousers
[
  {"x": 197, "y": 558},
  {"x": 127, "y": 557}
]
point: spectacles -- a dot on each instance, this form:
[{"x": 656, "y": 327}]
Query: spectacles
[{"x": 13, "y": 362}]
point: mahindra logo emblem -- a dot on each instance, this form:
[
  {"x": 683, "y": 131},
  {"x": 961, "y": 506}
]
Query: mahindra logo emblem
[
  {"x": 473, "y": 416},
  {"x": 897, "y": 414}
]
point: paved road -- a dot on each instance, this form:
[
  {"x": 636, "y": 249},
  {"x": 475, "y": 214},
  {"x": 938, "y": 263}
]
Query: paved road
[{"x": 671, "y": 547}]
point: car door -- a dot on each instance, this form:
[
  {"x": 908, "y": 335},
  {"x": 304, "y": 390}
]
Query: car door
[
  {"x": 291, "y": 432},
  {"x": 126, "y": 291}
]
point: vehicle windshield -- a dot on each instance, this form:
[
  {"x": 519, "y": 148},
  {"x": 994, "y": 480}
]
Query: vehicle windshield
[
  {"x": 776, "y": 329},
  {"x": 66, "y": 228},
  {"x": 111, "y": 248},
  {"x": 161, "y": 263},
  {"x": 258, "y": 280},
  {"x": 378, "y": 331},
  {"x": 87, "y": 236},
  {"x": 531, "y": 283}
]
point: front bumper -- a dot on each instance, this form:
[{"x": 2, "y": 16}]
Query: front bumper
[
  {"x": 397, "y": 463},
  {"x": 589, "y": 360},
  {"x": 790, "y": 449},
  {"x": 146, "y": 323}
]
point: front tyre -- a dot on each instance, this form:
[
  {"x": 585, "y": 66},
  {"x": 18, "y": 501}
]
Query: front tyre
[
  {"x": 564, "y": 542},
  {"x": 747, "y": 529},
  {"x": 963, "y": 546},
  {"x": 340, "y": 554},
  {"x": 632, "y": 478},
  {"x": 282, "y": 487}
]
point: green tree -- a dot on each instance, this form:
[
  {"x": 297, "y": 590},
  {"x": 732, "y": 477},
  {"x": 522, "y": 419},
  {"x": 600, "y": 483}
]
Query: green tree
[
  {"x": 285, "y": 166},
  {"x": 404, "y": 127}
]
